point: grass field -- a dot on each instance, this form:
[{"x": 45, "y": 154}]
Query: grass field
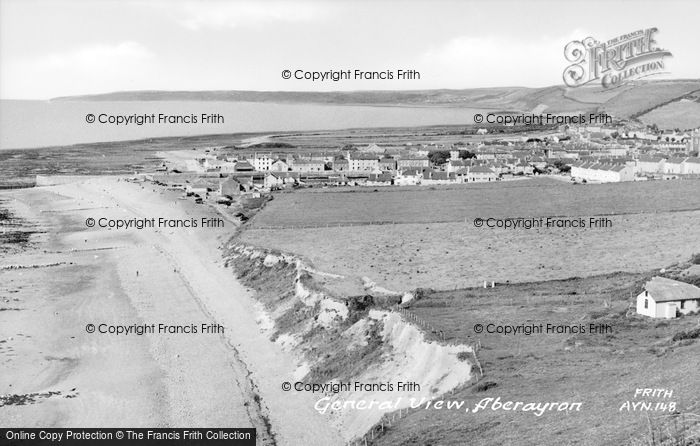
[
  {"x": 525, "y": 198},
  {"x": 600, "y": 370},
  {"x": 647, "y": 96},
  {"x": 683, "y": 114},
  {"x": 455, "y": 254},
  {"x": 558, "y": 276}
]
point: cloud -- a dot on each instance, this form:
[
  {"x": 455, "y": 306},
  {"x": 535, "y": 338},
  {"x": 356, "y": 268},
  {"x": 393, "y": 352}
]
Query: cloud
[
  {"x": 218, "y": 14},
  {"x": 88, "y": 69}
]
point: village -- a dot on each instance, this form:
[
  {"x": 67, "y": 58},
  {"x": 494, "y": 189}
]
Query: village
[{"x": 579, "y": 154}]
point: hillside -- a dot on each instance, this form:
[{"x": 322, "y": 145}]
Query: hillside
[
  {"x": 646, "y": 101},
  {"x": 631, "y": 100}
]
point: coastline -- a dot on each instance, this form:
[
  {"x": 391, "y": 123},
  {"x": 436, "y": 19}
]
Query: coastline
[{"x": 163, "y": 380}]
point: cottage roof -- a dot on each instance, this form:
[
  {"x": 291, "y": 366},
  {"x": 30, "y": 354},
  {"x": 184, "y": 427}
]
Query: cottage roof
[
  {"x": 364, "y": 156},
  {"x": 243, "y": 165},
  {"x": 662, "y": 289}
]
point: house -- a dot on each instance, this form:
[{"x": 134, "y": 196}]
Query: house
[
  {"x": 692, "y": 166},
  {"x": 409, "y": 177},
  {"x": 340, "y": 165},
  {"x": 693, "y": 143},
  {"x": 602, "y": 172},
  {"x": 308, "y": 166},
  {"x": 523, "y": 168},
  {"x": 363, "y": 162},
  {"x": 279, "y": 165},
  {"x": 379, "y": 179},
  {"x": 649, "y": 165},
  {"x": 433, "y": 177},
  {"x": 243, "y": 166},
  {"x": 263, "y": 161},
  {"x": 481, "y": 173},
  {"x": 387, "y": 164},
  {"x": 667, "y": 298},
  {"x": 230, "y": 187},
  {"x": 277, "y": 180},
  {"x": 413, "y": 163},
  {"x": 455, "y": 165},
  {"x": 675, "y": 166},
  {"x": 199, "y": 187}
]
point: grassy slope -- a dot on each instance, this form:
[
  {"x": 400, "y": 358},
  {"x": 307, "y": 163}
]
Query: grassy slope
[
  {"x": 318, "y": 207},
  {"x": 629, "y": 101},
  {"x": 602, "y": 371}
]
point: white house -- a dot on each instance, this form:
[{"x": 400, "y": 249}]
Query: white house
[
  {"x": 263, "y": 161},
  {"x": 602, "y": 172},
  {"x": 362, "y": 162},
  {"x": 666, "y": 298}
]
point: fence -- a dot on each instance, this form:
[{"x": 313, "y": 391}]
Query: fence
[{"x": 340, "y": 224}]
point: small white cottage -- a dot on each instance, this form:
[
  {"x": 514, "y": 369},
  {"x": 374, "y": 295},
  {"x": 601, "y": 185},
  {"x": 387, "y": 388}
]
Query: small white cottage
[{"x": 666, "y": 298}]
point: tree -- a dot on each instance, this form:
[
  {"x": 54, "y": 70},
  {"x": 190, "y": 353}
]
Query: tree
[
  {"x": 466, "y": 154},
  {"x": 563, "y": 167},
  {"x": 439, "y": 156}
]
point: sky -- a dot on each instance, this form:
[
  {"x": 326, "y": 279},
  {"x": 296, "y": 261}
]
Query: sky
[{"x": 51, "y": 48}]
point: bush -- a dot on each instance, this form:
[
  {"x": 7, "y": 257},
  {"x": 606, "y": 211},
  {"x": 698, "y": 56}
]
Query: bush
[
  {"x": 483, "y": 386},
  {"x": 690, "y": 334}
]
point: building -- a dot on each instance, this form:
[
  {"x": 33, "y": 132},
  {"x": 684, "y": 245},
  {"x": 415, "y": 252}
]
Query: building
[
  {"x": 602, "y": 172},
  {"x": 674, "y": 166},
  {"x": 434, "y": 177},
  {"x": 409, "y": 177},
  {"x": 387, "y": 164},
  {"x": 458, "y": 164},
  {"x": 692, "y": 166},
  {"x": 363, "y": 162},
  {"x": 667, "y": 298},
  {"x": 199, "y": 187},
  {"x": 649, "y": 165},
  {"x": 279, "y": 165},
  {"x": 523, "y": 168},
  {"x": 693, "y": 144},
  {"x": 308, "y": 166},
  {"x": 262, "y": 162},
  {"x": 379, "y": 179},
  {"x": 481, "y": 173},
  {"x": 230, "y": 187},
  {"x": 243, "y": 166},
  {"x": 341, "y": 165},
  {"x": 412, "y": 163}
]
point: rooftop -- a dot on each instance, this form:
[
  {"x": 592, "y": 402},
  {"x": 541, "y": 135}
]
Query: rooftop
[{"x": 668, "y": 290}]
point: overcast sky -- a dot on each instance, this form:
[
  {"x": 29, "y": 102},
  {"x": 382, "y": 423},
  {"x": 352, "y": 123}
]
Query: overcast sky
[{"x": 55, "y": 48}]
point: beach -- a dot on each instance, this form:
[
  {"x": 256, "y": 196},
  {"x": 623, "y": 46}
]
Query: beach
[{"x": 56, "y": 373}]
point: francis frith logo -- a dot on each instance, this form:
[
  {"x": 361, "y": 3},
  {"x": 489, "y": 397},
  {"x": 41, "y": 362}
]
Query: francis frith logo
[{"x": 625, "y": 58}]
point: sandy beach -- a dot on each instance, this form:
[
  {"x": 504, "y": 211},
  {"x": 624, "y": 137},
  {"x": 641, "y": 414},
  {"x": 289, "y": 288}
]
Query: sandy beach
[{"x": 60, "y": 375}]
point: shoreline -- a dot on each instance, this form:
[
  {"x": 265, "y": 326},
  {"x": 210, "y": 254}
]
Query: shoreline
[{"x": 180, "y": 280}]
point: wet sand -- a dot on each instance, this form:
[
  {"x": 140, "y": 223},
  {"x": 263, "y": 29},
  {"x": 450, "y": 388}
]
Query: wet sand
[{"x": 68, "y": 377}]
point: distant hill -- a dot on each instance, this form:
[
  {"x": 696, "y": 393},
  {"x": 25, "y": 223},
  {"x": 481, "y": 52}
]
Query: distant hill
[{"x": 636, "y": 100}]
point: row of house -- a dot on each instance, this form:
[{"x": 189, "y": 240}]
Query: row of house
[
  {"x": 602, "y": 172},
  {"x": 241, "y": 183},
  {"x": 662, "y": 165}
]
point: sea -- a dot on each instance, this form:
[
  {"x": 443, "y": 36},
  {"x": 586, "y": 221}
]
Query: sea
[{"x": 31, "y": 124}]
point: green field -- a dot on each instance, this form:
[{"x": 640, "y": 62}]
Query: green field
[
  {"x": 427, "y": 237},
  {"x": 602, "y": 371},
  {"x": 317, "y": 208}
]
